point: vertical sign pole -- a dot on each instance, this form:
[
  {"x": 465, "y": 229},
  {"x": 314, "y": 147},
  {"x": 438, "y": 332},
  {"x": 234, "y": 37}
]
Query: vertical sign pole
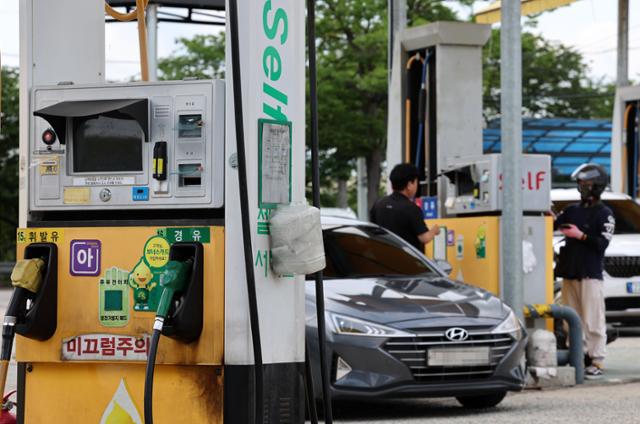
[{"x": 511, "y": 111}]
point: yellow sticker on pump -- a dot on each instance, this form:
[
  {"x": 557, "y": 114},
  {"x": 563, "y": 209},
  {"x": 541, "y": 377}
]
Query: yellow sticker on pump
[
  {"x": 77, "y": 195},
  {"x": 39, "y": 235},
  {"x": 156, "y": 252},
  {"x": 50, "y": 166}
]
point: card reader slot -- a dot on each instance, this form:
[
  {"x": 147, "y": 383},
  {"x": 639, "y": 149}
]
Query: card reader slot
[{"x": 190, "y": 175}]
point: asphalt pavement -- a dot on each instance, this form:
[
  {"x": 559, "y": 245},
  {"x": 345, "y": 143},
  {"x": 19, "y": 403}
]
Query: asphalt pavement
[{"x": 604, "y": 403}]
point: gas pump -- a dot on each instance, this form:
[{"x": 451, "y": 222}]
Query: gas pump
[
  {"x": 136, "y": 190},
  {"x": 435, "y": 99},
  {"x": 460, "y": 188},
  {"x": 625, "y": 142}
]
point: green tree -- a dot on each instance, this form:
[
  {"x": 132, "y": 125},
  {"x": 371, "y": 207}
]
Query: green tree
[
  {"x": 199, "y": 57},
  {"x": 352, "y": 80},
  {"x": 9, "y": 133},
  {"x": 555, "y": 82}
]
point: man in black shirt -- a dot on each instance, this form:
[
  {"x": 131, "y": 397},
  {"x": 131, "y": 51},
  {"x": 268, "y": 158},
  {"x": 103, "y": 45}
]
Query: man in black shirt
[
  {"x": 397, "y": 212},
  {"x": 587, "y": 226}
]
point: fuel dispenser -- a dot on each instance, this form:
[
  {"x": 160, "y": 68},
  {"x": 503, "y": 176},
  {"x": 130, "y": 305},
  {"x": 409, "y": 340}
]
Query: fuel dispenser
[
  {"x": 460, "y": 188},
  {"x": 126, "y": 187},
  {"x": 136, "y": 189},
  {"x": 435, "y": 99},
  {"x": 470, "y": 236},
  {"x": 625, "y": 142}
]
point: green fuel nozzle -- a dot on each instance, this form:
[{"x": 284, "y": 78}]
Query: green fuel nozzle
[
  {"x": 26, "y": 278},
  {"x": 173, "y": 279}
]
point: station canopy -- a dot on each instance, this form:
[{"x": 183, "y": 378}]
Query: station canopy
[
  {"x": 189, "y": 4},
  {"x": 569, "y": 142},
  {"x": 492, "y": 13},
  {"x": 207, "y": 12}
]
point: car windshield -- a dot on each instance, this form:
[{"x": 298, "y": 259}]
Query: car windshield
[
  {"x": 626, "y": 212},
  {"x": 368, "y": 251}
]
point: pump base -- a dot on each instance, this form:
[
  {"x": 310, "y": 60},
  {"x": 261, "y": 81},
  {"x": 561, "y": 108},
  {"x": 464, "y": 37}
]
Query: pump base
[{"x": 283, "y": 394}]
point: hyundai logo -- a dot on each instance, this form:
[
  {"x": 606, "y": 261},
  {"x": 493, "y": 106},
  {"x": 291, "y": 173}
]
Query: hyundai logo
[{"x": 456, "y": 334}]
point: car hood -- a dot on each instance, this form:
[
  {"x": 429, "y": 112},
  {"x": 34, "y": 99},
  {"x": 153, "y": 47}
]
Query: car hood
[
  {"x": 394, "y": 300},
  {"x": 619, "y": 245},
  {"x": 624, "y": 245}
]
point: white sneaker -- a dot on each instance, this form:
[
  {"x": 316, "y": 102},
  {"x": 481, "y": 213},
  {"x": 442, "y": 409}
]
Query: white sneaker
[{"x": 593, "y": 372}]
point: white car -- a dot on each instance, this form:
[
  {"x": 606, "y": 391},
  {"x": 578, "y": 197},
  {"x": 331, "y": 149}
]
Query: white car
[{"x": 622, "y": 257}]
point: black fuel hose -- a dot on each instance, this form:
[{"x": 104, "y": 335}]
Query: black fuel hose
[
  {"x": 308, "y": 379},
  {"x": 148, "y": 377},
  {"x": 422, "y": 108},
  {"x": 244, "y": 211},
  {"x": 15, "y": 311},
  {"x": 313, "y": 97},
  {"x": 633, "y": 183}
]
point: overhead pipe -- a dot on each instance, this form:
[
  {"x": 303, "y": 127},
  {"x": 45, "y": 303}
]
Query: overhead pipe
[{"x": 416, "y": 58}]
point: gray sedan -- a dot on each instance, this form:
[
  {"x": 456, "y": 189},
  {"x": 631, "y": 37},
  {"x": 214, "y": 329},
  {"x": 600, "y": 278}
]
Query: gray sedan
[{"x": 397, "y": 326}]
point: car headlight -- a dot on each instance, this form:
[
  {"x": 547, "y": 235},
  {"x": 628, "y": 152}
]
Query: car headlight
[
  {"x": 511, "y": 325},
  {"x": 356, "y": 327}
]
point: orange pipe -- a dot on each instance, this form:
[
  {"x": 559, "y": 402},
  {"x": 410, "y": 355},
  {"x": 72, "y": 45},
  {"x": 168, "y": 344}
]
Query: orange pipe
[
  {"x": 407, "y": 112},
  {"x": 142, "y": 36},
  {"x": 138, "y": 14},
  {"x": 407, "y": 131}
]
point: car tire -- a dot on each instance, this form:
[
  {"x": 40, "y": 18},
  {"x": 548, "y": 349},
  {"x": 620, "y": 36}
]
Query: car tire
[{"x": 482, "y": 401}]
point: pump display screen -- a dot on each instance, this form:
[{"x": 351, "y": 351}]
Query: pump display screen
[
  {"x": 190, "y": 126},
  {"x": 107, "y": 144}
]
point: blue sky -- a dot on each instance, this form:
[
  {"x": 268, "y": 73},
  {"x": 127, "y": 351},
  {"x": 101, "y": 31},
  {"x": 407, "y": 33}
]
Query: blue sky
[{"x": 588, "y": 25}]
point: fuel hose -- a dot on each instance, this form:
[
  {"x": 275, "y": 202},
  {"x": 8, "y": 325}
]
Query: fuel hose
[
  {"x": 422, "y": 108},
  {"x": 244, "y": 212},
  {"x": 173, "y": 279},
  {"x": 636, "y": 150},
  {"x": 415, "y": 59},
  {"x": 149, "y": 373},
  {"x": 313, "y": 96},
  {"x": 26, "y": 279}
]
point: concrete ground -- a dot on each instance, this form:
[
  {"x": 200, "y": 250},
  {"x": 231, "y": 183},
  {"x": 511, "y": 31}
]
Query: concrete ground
[
  {"x": 604, "y": 403},
  {"x": 622, "y": 364}
]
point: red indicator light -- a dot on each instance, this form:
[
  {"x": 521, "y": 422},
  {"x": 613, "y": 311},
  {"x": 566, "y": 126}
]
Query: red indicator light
[{"x": 48, "y": 137}]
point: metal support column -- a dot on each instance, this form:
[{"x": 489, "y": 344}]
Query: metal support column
[
  {"x": 152, "y": 41},
  {"x": 397, "y": 18},
  {"x": 623, "y": 43},
  {"x": 363, "y": 210},
  {"x": 511, "y": 133}
]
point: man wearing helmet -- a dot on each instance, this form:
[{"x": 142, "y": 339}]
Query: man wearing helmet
[{"x": 587, "y": 226}]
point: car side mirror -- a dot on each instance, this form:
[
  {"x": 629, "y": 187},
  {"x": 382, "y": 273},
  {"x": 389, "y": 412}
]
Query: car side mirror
[{"x": 444, "y": 266}]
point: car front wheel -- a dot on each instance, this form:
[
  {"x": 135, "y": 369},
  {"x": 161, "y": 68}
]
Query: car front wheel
[{"x": 482, "y": 401}]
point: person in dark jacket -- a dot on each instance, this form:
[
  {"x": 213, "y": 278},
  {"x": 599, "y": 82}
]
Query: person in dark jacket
[
  {"x": 588, "y": 227},
  {"x": 397, "y": 212}
]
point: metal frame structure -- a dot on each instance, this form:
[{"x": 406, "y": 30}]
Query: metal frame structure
[
  {"x": 192, "y": 16},
  {"x": 570, "y": 142}
]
